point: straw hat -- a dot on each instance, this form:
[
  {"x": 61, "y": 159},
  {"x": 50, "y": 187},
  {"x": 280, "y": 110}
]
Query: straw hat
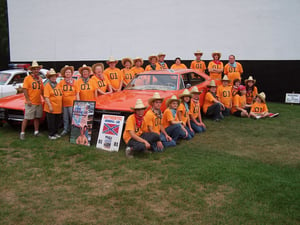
[
  {"x": 161, "y": 54},
  {"x": 198, "y": 52},
  {"x": 172, "y": 99},
  {"x": 152, "y": 56},
  {"x": 35, "y": 64},
  {"x": 212, "y": 84},
  {"x": 155, "y": 96},
  {"x": 127, "y": 59},
  {"x": 111, "y": 59},
  {"x": 97, "y": 64},
  {"x": 225, "y": 78},
  {"x": 65, "y": 68},
  {"x": 138, "y": 59},
  {"x": 262, "y": 96},
  {"x": 84, "y": 67},
  {"x": 195, "y": 91},
  {"x": 51, "y": 73},
  {"x": 216, "y": 53},
  {"x": 250, "y": 78},
  {"x": 185, "y": 93},
  {"x": 139, "y": 105}
]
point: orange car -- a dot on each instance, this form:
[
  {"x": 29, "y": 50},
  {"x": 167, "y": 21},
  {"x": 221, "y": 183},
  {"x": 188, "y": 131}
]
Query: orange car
[{"x": 166, "y": 82}]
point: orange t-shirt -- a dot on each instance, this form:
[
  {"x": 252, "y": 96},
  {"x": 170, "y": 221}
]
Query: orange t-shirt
[
  {"x": 238, "y": 101},
  {"x": 34, "y": 88},
  {"x": 168, "y": 117},
  {"x": 234, "y": 91},
  {"x": 250, "y": 95},
  {"x": 224, "y": 95},
  {"x": 178, "y": 67},
  {"x": 100, "y": 84},
  {"x": 69, "y": 93},
  {"x": 131, "y": 125},
  {"x": 150, "y": 119},
  {"x": 162, "y": 66},
  {"x": 86, "y": 90},
  {"x": 233, "y": 72},
  {"x": 194, "y": 109},
  {"x": 55, "y": 96},
  {"x": 148, "y": 67},
  {"x": 213, "y": 65},
  {"x": 114, "y": 76},
  {"x": 127, "y": 75},
  {"x": 259, "y": 107},
  {"x": 184, "y": 113},
  {"x": 208, "y": 101},
  {"x": 137, "y": 70},
  {"x": 198, "y": 65}
]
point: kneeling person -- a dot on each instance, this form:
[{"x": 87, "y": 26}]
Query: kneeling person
[
  {"x": 195, "y": 112},
  {"x": 133, "y": 135}
]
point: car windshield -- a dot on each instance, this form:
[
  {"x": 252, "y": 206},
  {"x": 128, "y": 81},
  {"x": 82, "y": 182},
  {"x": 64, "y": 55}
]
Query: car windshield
[
  {"x": 154, "y": 82},
  {"x": 3, "y": 78}
]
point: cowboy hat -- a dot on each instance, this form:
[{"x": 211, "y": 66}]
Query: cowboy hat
[
  {"x": 138, "y": 59},
  {"x": 216, "y": 53},
  {"x": 152, "y": 56},
  {"x": 65, "y": 68},
  {"x": 155, "y": 96},
  {"x": 139, "y": 105},
  {"x": 225, "y": 78},
  {"x": 195, "y": 91},
  {"x": 172, "y": 99},
  {"x": 212, "y": 83},
  {"x": 35, "y": 64},
  {"x": 198, "y": 52},
  {"x": 51, "y": 73},
  {"x": 127, "y": 59},
  {"x": 111, "y": 59},
  {"x": 161, "y": 54},
  {"x": 96, "y": 65},
  {"x": 185, "y": 93},
  {"x": 262, "y": 96},
  {"x": 84, "y": 67},
  {"x": 250, "y": 78}
]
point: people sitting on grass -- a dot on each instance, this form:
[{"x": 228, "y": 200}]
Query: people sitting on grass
[
  {"x": 251, "y": 90},
  {"x": 134, "y": 137},
  {"x": 235, "y": 87},
  {"x": 224, "y": 95},
  {"x": 195, "y": 112},
  {"x": 239, "y": 106}
]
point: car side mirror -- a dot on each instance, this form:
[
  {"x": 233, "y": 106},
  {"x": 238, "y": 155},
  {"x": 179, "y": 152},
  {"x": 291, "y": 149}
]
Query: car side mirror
[
  {"x": 14, "y": 83},
  {"x": 188, "y": 86}
]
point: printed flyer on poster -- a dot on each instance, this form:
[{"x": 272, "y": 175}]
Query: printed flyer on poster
[
  {"x": 110, "y": 132},
  {"x": 82, "y": 122}
]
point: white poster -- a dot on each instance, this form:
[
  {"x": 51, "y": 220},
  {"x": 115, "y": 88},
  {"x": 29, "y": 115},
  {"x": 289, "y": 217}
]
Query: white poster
[
  {"x": 292, "y": 98},
  {"x": 110, "y": 132}
]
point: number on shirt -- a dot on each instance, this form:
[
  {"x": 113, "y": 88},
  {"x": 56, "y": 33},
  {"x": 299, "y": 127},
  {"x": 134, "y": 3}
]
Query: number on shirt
[
  {"x": 226, "y": 94},
  {"x": 85, "y": 87},
  {"x": 67, "y": 87},
  {"x": 113, "y": 76},
  {"x": 57, "y": 92},
  {"x": 36, "y": 85},
  {"x": 101, "y": 83}
]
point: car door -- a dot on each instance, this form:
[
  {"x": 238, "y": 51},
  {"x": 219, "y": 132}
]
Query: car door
[{"x": 14, "y": 84}]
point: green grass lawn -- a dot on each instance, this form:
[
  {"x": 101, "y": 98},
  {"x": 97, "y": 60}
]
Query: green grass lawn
[{"x": 241, "y": 171}]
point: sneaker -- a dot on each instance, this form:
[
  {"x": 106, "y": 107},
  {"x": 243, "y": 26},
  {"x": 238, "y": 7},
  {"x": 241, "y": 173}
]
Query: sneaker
[
  {"x": 272, "y": 115},
  {"x": 37, "y": 134},
  {"x": 63, "y": 133},
  {"x": 52, "y": 137},
  {"x": 129, "y": 152},
  {"x": 22, "y": 136},
  {"x": 57, "y": 136}
]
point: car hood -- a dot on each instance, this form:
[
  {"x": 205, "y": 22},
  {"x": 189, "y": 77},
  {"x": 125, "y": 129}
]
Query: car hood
[
  {"x": 122, "y": 101},
  {"x": 13, "y": 102}
]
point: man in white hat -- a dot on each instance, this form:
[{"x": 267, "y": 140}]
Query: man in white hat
[
  {"x": 233, "y": 69},
  {"x": 134, "y": 137},
  {"x": 33, "y": 91},
  {"x": 195, "y": 113},
  {"x": 224, "y": 95},
  {"x": 198, "y": 64},
  {"x": 84, "y": 86},
  {"x": 114, "y": 75},
  {"x": 161, "y": 61},
  {"x": 153, "y": 123}
]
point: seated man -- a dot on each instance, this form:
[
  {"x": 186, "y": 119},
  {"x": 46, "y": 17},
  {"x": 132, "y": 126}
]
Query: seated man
[{"x": 134, "y": 136}]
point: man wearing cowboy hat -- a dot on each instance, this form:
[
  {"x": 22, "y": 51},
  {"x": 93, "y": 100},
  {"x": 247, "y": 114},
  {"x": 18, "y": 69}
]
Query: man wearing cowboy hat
[
  {"x": 198, "y": 64},
  {"x": 170, "y": 121},
  {"x": 85, "y": 88},
  {"x": 53, "y": 104},
  {"x": 215, "y": 67},
  {"x": 33, "y": 91},
  {"x": 127, "y": 72},
  {"x": 114, "y": 75},
  {"x": 233, "y": 69},
  {"x": 101, "y": 82},
  {"x": 251, "y": 89},
  {"x": 134, "y": 137},
  {"x": 224, "y": 95},
  {"x": 152, "y": 121},
  {"x": 195, "y": 112},
  {"x": 138, "y": 62},
  {"x": 162, "y": 65},
  {"x": 153, "y": 65}
]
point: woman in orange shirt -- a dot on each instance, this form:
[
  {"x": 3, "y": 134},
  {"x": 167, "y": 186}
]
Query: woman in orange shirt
[
  {"x": 100, "y": 81},
  {"x": 235, "y": 87},
  {"x": 114, "y": 75},
  {"x": 53, "y": 104},
  {"x": 161, "y": 61},
  {"x": 215, "y": 67},
  {"x": 239, "y": 106},
  {"x": 251, "y": 90},
  {"x": 178, "y": 65},
  {"x": 138, "y": 62},
  {"x": 259, "y": 108},
  {"x": 67, "y": 86},
  {"x": 127, "y": 72},
  {"x": 85, "y": 89},
  {"x": 153, "y": 63}
]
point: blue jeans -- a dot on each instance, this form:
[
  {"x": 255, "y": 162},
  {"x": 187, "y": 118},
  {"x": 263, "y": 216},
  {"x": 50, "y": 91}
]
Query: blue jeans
[
  {"x": 196, "y": 128},
  {"x": 190, "y": 133},
  {"x": 175, "y": 132},
  {"x": 165, "y": 142},
  {"x": 67, "y": 117}
]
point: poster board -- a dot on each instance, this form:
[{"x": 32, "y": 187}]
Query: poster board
[
  {"x": 110, "y": 132},
  {"x": 292, "y": 98},
  {"x": 82, "y": 122}
]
